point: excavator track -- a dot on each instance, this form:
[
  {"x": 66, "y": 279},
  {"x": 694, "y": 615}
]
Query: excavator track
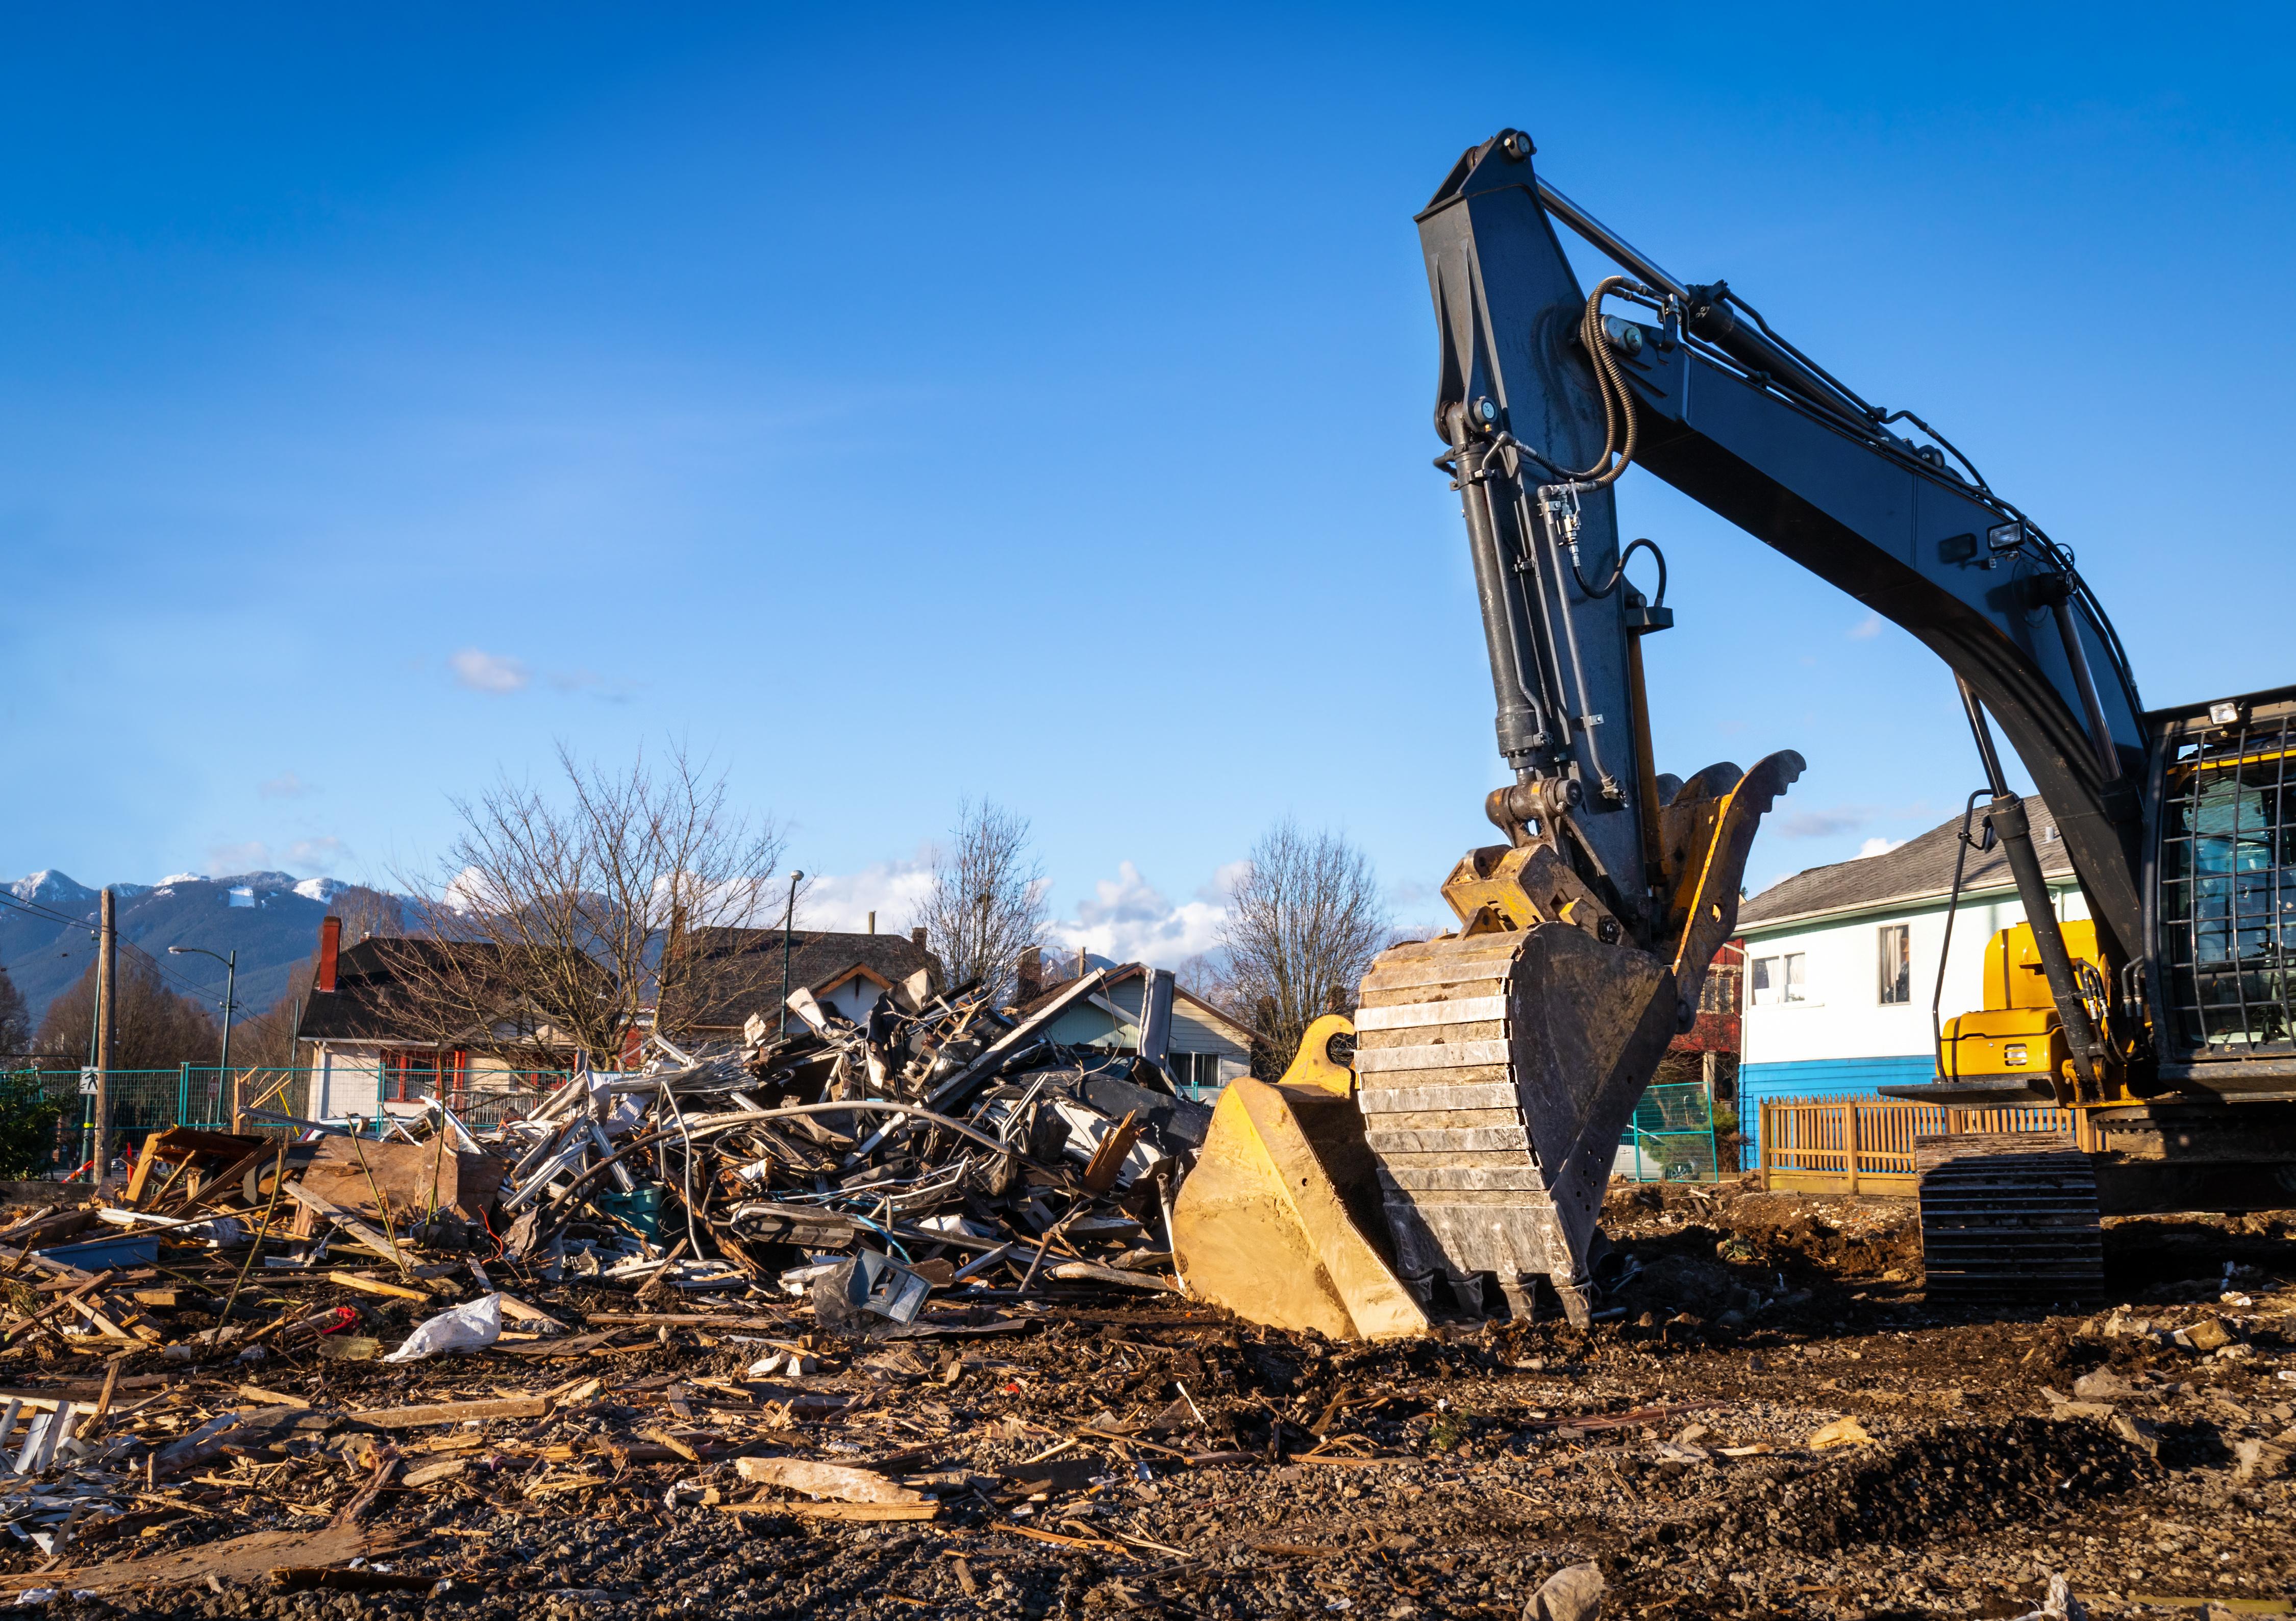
[{"x": 2009, "y": 1218}]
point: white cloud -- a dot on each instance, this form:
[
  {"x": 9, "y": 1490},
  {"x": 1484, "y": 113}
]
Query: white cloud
[
  {"x": 484, "y": 672},
  {"x": 1866, "y": 628},
  {"x": 1124, "y": 920},
  {"x": 1878, "y": 847},
  {"x": 286, "y": 785},
  {"x": 892, "y": 889},
  {"x": 470, "y": 891},
  {"x": 323, "y": 855},
  {"x": 1127, "y": 920}
]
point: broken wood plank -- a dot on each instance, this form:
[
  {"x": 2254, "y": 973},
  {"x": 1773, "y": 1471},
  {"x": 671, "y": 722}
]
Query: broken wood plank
[
  {"x": 372, "y": 1286},
  {"x": 319, "y": 1205},
  {"x": 453, "y": 1412},
  {"x": 242, "y": 1559},
  {"x": 836, "y": 1510},
  {"x": 824, "y": 1480},
  {"x": 662, "y": 1437},
  {"x": 1033, "y": 1535},
  {"x": 518, "y": 1311},
  {"x": 1092, "y": 1272}
]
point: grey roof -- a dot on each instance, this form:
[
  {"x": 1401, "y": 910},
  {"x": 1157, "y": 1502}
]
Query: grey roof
[{"x": 1920, "y": 869}]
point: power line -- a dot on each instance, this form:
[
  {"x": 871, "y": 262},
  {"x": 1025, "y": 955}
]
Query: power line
[{"x": 51, "y": 914}]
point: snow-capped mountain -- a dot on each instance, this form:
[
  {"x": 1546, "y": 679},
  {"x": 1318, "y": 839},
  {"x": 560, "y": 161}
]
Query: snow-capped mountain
[{"x": 271, "y": 919}]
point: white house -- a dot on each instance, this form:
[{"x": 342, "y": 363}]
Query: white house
[{"x": 1842, "y": 961}]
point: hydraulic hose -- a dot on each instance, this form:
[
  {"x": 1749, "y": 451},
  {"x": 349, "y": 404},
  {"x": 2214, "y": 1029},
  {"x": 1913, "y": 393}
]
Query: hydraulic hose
[
  {"x": 1610, "y": 383},
  {"x": 1619, "y": 572}
]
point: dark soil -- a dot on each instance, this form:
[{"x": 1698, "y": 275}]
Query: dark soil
[{"x": 1754, "y": 1321}]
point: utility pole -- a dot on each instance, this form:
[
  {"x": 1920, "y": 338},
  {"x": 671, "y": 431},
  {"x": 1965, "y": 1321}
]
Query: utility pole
[{"x": 107, "y": 1034}]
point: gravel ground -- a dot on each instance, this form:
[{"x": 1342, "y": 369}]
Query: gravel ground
[{"x": 1672, "y": 1446}]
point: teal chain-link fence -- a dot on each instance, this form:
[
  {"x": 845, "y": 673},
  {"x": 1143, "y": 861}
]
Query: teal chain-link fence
[
  {"x": 1671, "y": 1138},
  {"x": 202, "y": 1096}
]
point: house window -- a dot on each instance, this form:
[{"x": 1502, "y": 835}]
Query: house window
[
  {"x": 1196, "y": 1070},
  {"x": 410, "y": 1076},
  {"x": 1775, "y": 980},
  {"x": 1896, "y": 964}
]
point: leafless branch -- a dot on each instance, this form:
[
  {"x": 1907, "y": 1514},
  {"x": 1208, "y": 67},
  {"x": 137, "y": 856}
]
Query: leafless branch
[
  {"x": 1303, "y": 923},
  {"x": 987, "y": 903},
  {"x": 555, "y": 921}
]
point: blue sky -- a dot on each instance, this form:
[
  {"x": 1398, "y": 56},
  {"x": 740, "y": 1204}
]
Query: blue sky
[{"x": 1034, "y": 403}]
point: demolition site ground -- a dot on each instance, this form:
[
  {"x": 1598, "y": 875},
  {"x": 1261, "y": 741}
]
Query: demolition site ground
[{"x": 1770, "y": 1421}]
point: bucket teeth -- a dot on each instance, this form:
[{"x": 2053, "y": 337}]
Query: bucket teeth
[{"x": 1495, "y": 1073}]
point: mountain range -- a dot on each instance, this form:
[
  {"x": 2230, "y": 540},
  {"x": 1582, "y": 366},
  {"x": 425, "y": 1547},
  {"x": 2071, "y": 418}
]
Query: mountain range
[{"x": 47, "y": 921}]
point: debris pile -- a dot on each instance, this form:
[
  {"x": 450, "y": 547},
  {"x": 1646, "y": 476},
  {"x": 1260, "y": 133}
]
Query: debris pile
[
  {"x": 858, "y": 1166},
  {"x": 465, "y": 1367}
]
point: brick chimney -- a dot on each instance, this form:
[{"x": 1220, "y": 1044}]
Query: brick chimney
[
  {"x": 1032, "y": 977},
  {"x": 330, "y": 945}
]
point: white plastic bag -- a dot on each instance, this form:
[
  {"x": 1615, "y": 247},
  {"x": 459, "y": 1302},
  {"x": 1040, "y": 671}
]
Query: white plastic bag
[{"x": 472, "y": 1327}]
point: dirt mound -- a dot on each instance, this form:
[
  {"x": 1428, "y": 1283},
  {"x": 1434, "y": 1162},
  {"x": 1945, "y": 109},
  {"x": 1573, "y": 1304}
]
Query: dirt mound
[{"x": 1950, "y": 1482}]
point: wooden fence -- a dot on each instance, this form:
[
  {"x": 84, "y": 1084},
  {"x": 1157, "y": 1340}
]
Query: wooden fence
[{"x": 1865, "y": 1145}]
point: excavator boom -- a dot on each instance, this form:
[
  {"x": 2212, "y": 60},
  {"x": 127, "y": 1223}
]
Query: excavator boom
[{"x": 1496, "y": 1066}]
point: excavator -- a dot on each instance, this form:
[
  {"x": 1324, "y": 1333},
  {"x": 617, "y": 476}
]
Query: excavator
[{"x": 1444, "y": 1153}]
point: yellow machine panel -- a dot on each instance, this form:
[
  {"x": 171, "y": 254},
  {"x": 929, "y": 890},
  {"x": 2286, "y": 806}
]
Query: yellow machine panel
[{"x": 2017, "y": 1033}]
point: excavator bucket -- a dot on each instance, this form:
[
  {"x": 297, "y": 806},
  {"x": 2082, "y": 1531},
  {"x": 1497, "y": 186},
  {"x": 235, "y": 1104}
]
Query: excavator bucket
[
  {"x": 1471, "y": 1139},
  {"x": 1497, "y": 1068},
  {"x": 1274, "y": 1222}
]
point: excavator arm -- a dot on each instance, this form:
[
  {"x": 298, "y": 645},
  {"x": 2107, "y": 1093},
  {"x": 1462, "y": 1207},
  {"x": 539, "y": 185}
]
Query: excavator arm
[
  {"x": 1469, "y": 1139},
  {"x": 1545, "y": 397}
]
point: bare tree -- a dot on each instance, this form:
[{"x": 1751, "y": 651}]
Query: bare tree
[
  {"x": 987, "y": 904},
  {"x": 15, "y": 1020},
  {"x": 1303, "y": 923},
  {"x": 555, "y": 922},
  {"x": 156, "y": 1029}
]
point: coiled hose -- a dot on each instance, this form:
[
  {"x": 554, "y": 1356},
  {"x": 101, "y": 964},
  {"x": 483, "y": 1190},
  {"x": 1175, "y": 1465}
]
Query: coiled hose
[{"x": 1610, "y": 383}]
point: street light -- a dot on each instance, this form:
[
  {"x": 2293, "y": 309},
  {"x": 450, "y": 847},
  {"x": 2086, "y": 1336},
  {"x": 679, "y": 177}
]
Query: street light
[
  {"x": 780, "y": 1013},
  {"x": 230, "y": 977}
]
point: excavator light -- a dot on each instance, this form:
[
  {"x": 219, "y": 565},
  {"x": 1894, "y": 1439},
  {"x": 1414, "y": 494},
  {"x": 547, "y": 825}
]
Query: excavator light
[{"x": 2223, "y": 714}]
